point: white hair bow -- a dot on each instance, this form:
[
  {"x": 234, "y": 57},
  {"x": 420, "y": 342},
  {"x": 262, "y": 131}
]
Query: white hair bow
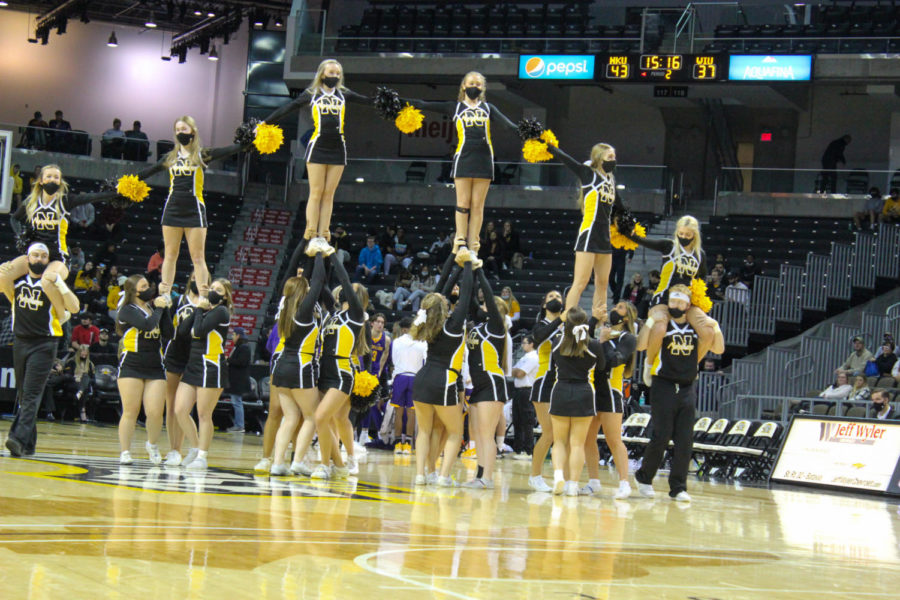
[
  {"x": 580, "y": 332},
  {"x": 421, "y": 315}
]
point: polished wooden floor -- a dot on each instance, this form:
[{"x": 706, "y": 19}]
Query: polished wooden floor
[{"x": 73, "y": 524}]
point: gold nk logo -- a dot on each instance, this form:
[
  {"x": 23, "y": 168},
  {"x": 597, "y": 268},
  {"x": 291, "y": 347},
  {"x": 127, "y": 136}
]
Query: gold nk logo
[
  {"x": 330, "y": 106},
  {"x": 686, "y": 265},
  {"x": 182, "y": 170},
  {"x": 45, "y": 221},
  {"x": 474, "y": 118},
  {"x": 30, "y": 298},
  {"x": 681, "y": 345}
]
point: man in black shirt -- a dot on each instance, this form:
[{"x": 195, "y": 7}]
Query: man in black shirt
[
  {"x": 37, "y": 324},
  {"x": 833, "y": 155}
]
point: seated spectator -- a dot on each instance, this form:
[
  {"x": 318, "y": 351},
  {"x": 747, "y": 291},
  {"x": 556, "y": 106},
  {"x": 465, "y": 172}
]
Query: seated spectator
[
  {"x": 36, "y": 134},
  {"x": 440, "y": 248},
  {"x": 112, "y": 142},
  {"x": 856, "y": 362},
  {"x": 80, "y": 368},
  {"x": 108, "y": 224},
  {"x": 492, "y": 251},
  {"x": 749, "y": 270},
  {"x": 489, "y": 228},
  {"x": 105, "y": 349},
  {"x": 515, "y": 309},
  {"x": 110, "y": 277},
  {"x": 644, "y": 306},
  {"x": 85, "y": 333},
  {"x": 86, "y": 277},
  {"x": 410, "y": 297},
  {"x": 400, "y": 253},
  {"x": 154, "y": 265},
  {"x": 714, "y": 288},
  {"x": 709, "y": 366},
  {"x": 113, "y": 293},
  {"x": 83, "y": 217},
  {"x": 881, "y": 406},
  {"x": 872, "y": 209},
  {"x": 635, "y": 291},
  {"x": 860, "y": 391},
  {"x": 58, "y": 139},
  {"x": 137, "y": 145},
  {"x": 340, "y": 241},
  {"x": 370, "y": 261},
  {"x": 511, "y": 242},
  {"x": 737, "y": 290},
  {"x": 890, "y": 211},
  {"x": 401, "y": 290},
  {"x": 840, "y": 389},
  {"x": 886, "y": 360},
  {"x": 386, "y": 240},
  {"x": 76, "y": 260},
  {"x": 17, "y": 186},
  {"x": 106, "y": 255}
]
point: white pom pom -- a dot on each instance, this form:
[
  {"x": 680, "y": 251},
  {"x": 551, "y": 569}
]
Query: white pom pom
[
  {"x": 421, "y": 315},
  {"x": 580, "y": 332}
]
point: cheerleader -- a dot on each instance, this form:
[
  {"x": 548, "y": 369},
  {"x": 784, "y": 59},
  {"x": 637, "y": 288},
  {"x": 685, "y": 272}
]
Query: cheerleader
[
  {"x": 184, "y": 214},
  {"x": 293, "y": 367},
  {"x": 44, "y": 215},
  {"x": 435, "y": 388},
  {"x": 575, "y": 357},
  {"x": 609, "y": 399},
  {"x": 473, "y": 160},
  {"x": 593, "y": 251},
  {"x": 178, "y": 349},
  {"x": 546, "y": 335},
  {"x": 205, "y": 375},
  {"x": 141, "y": 376},
  {"x": 326, "y": 152},
  {"x": 487, "y": 345},
  {"x": 342, "y": 336}
]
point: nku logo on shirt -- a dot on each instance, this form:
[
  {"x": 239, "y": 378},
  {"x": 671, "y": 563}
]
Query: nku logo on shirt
[{"x": 556, "y": 67}]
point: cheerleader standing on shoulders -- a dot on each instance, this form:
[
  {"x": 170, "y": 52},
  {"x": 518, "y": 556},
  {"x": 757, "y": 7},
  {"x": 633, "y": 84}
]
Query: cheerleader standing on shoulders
[
  {"x": 206, "y": 373},
  {"x": 473, "y": 160},
  {"x": 487, "y": 346},
  {"x": 576, "y": 357},
  {"x": 175, "y": 359},
  {"x": 141, "y": 372},
  {"x": 619, "y": 343},
  {"x": 342, "y": 337},
  {"x": 546, "y": 335},
  {"x": 293, "y": 370},
  {"x": 326, "y": 152},
  {"x": 435, "y": 392},
  {"x": 593, "y": 251}
]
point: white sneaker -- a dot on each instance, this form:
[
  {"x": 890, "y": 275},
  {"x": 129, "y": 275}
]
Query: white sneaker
[
  {"x": 591, "y": 488},
  {"x": 446, "y": 482},
  {"x": 682, "y": 496},
  {"x": 198, "y": 464},
  {"x": 340, "y": 472},
  {"x": 431, "y": 478},
  {"x": 420, "y": 480},
  {"x": 624, "y": 491},
  {"x": 558, "y": 486},
  {"x": 521, "y": 456},
  {"x": 189, "y": 457},
  {"x": 153, "y": 451},
  {"x": 279, "y": 470},
  {"x": 352, "y": 465},
  {"x": 645, "y": 490},
  {"x": 571, "y": 488},
  {"x": 321, "y": 472},
  {"x": 125, "y": 458},
  {"x": 263, "y": 466},
  {"x": 478, "y": 483},
  {"x": 538, "y": 484},
  {"x": 301, "y": 468},
  {"x": 173, "y": 458}
]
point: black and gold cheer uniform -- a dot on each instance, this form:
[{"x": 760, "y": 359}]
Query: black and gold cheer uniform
[
  {"x": 573, "y": 392},
  {"x": 486, "y": 342},
  {"x": 474, "y": 154},
  {"x": 679, "y": 266},
  {"x": 546, "y": 335},
  {"x": 294, "y": 359},
  {"x": 338, "y": 338},
  {"x": 437, "y": 381},
  {"x": 609, "y": 395},
  {"x": 142, "y": 356},
  {"x": 178, "y": 349},
  {"x": 206, "y": 365},
  {"x": 598, "y": 198}
]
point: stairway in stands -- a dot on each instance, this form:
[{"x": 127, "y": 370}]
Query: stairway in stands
[{"x": 254, "y": 254}]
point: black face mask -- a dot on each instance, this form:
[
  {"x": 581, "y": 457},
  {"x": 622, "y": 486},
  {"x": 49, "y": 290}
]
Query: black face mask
[
  {"x": 615, "y": 318},
  {"x": 51, "y": 187},
  {"x": 184, "y": 138},
  {"x": 37, "y": 268},
  {"x": 554, "y": 305},
  {"x": 331, "y": 81},
  {"x": 878, "y": 406},
  {"x": 685, "y": 242},
  {"x": 214, "y": 297},
  {"x": 609, "y": 166},
  {"x": 676, "y": 313},
  {"x": 473, "y": 92},
  {"x": 146, "y": 295},
  {"x": 193, "y": 287}
]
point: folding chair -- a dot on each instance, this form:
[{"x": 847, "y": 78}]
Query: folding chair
[
  {"x": 705, "y": 443},
  {"x": 634, "y": 434},
  {"x": 755, "y": 460}
]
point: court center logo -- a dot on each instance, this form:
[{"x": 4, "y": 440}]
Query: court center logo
[{"x": 535, "y": 66}]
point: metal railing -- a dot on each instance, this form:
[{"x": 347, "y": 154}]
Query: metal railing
[
  {"x": 815, "y": 283},
  {"x": 780, "y": 408},
  {"x": 482, "y": 45},
  {"x": 790, "y": 290},
  {"x": 800, "y": 43},
  {"x": 855, "y": 181}
]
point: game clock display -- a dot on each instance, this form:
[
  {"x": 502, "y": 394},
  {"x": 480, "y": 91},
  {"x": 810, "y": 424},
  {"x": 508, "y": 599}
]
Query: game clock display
[{"x": 661, "y": 68}]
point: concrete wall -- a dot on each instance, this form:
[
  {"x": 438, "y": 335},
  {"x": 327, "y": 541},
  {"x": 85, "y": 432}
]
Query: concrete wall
[{"x": 788, "y": 205}]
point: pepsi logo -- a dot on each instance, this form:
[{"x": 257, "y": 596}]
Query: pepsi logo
[{"x": 535, "y": 66}]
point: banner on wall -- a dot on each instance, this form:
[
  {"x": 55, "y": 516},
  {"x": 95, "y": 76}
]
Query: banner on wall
[
  {"x": 852, "y": 454},
  {"x": 7, "y": 378},
  {"x": 433, "y": 140}
]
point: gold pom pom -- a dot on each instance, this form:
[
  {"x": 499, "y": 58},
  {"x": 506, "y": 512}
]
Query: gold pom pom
[
  {"x": 699, "y": 298},
  {"x": 132, "y": 188},
  {"x": 364, "y": 384},
  {"x": 623, "y": 243},
  {"x": 409, "y": 119},
  {"x": 550, "y": 137},
  {"x": 268, "y": 138},
  {"x": 535, "y": 151}
]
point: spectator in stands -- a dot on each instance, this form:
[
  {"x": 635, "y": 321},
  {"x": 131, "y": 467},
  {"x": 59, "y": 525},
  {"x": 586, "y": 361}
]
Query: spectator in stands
[
  {"x": 881, "y": 406},
  {"x": 80, "y": 369},
  {"x": 104, "y": 350},
  {"x": 635, "y": 291},
  {"x": 86, "y": 333},
  {"x": 511, "y": 243},
  {"x": 839, "y": 389},
  {"x": 749, "y": 270},
  {"x": 112, "y": 142},
  {"x": 370, "y": 261},
  {"x": 714, "y": 288},
  {"x": 76, "y": 260},
  {"x": 440, "y": 248},
  {"x": 402, "y": 289},
  {"x": 239, "y": 376},
  {"x": 36, "y": 134},
  {"x": 85, "y": 278},
  {"x": 58, "y": 138},
  {"x": 737, "y": 290},
  {"x": 137, "y": 145},
  {"x": 386, "y": 241},
  {"x": 340, "y": 241},
  {"x": 709, "y": 366},
  {"x": 872, "y": 209},
  {"x": 82, "y": 217},
  {"x": 17, "y": 186},
  {"x": 492, "y": 253},
  {"x": 400, "y": 253},
  {"x": 620, "y": 259},
  {"x": 833, "y": 155},
  {"x": 515, "y": 309},
  {"x": 886, "y": 359},
  {"x": 113, "y": 293},
  {"x": 890, "y": 212},
  {"x": 106, "y": 255},
  {"x": 489, "y": 227},
  {"x": 860, "y": 391},
  {"x": 644, "y": 306},
  {"x": 154, "y": 265},
  {"x": 108, "y": 225},
  {"x": 856, "y": 362}
]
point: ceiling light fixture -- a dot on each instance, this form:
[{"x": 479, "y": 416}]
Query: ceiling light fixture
[
  {"x": 113, "y": 42},
  {"x": 213, "y": 54},
  {"x": 151, "y": 22}
]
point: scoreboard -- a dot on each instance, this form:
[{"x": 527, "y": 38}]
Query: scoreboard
[{"x": 661, "y": 68}]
